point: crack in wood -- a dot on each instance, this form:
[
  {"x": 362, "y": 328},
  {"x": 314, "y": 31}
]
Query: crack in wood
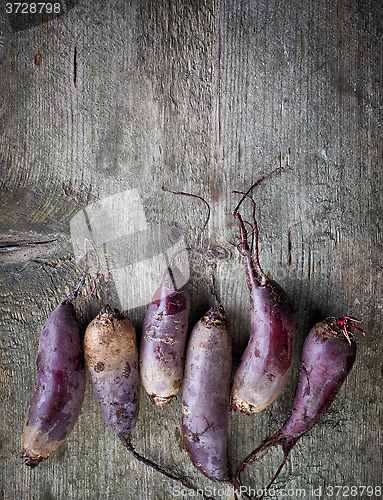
[
  {"x": 75, "y": 67},
  {"x": 10, "y": 242},
  {"x": 14, "y": 249}
]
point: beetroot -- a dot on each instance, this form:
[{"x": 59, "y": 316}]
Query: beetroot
[
  {"x": 267, "y": 360},
  {"x": 327, "y": 357},
  {"x": 59, "y": 388},
  {"x": 163, "y": 339},
  {"x": 111, "y": 357},
  {"x": 206, "y": 394}
]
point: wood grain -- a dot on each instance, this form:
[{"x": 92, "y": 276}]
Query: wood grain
[{"x": 203, "y": 96}]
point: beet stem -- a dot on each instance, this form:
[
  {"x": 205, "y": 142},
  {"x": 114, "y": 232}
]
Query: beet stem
[
  {"x": 81, "y": 282},
  {"x": 242, "y": 493},
  {"x": 252, "y": 234},
  {"x": 127, "y": 443},
  {"x": 198, "y": 198},
  {"x": 174, "y": 284},
  {"x": 199, "y": 234},
  {"x": 255, "y": 184},
  {"x": 245, "y": 252},
  {"x": 90, "y": 242},
  {"x": 79, "y": 285},
  {"x": 348, "y": 321},
  {"x": 255, "y": 235}
]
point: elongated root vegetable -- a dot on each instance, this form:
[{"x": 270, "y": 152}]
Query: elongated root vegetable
[
  {"x": 59, "y": 388},
  {"x": 163, "y": 339},
  {"x": 328, "y": 355},
  {"x": 206, "y": 394},
  {"x": 164, "y": 331},
  {"x": 267, "y": 360},
  {"x": 111, "y": 356}
]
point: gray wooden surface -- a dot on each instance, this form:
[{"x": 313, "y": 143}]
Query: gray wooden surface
[{"x": 204, "y": 97}]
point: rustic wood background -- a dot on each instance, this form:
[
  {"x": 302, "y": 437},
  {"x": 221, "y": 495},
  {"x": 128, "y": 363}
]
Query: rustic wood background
[{"x": 205, "y": 97}]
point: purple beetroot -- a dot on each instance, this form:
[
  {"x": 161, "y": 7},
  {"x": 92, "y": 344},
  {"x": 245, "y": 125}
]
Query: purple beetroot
[
  {"x": 206, "y": 394},
  {"x": 163, "y": 339},
  {"x": 266, "y": 363},
  {"x": 327, "y": 357},
  {"x": 59, "y": 388}
]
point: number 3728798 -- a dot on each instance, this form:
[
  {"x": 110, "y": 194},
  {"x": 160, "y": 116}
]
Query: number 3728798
[
  {"x": 32, "y": 8},
  {"x": 353, "y": 491}
]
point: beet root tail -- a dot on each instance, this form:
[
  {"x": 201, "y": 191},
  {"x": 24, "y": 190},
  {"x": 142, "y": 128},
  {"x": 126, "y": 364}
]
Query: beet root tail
[
  {"x": 265, "y": 446},
  {"x": 276, "y": 438},
  {"x": 287, "y": 447},
  {"x": 126, "y": 440}
]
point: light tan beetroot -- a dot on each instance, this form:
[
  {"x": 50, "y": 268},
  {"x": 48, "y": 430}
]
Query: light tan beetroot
[{"x": 111, "y": 356}]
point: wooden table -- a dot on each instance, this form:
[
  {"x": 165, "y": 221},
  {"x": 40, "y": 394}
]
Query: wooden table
[{"x": 105, "y": 98}]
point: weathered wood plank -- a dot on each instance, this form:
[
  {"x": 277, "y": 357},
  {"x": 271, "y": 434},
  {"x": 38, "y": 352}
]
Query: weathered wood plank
[{"x": 204, "y": 97}]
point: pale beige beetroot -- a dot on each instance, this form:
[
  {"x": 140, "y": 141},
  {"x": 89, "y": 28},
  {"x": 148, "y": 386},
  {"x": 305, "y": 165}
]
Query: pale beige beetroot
[{"x": 111, "y": 356}]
